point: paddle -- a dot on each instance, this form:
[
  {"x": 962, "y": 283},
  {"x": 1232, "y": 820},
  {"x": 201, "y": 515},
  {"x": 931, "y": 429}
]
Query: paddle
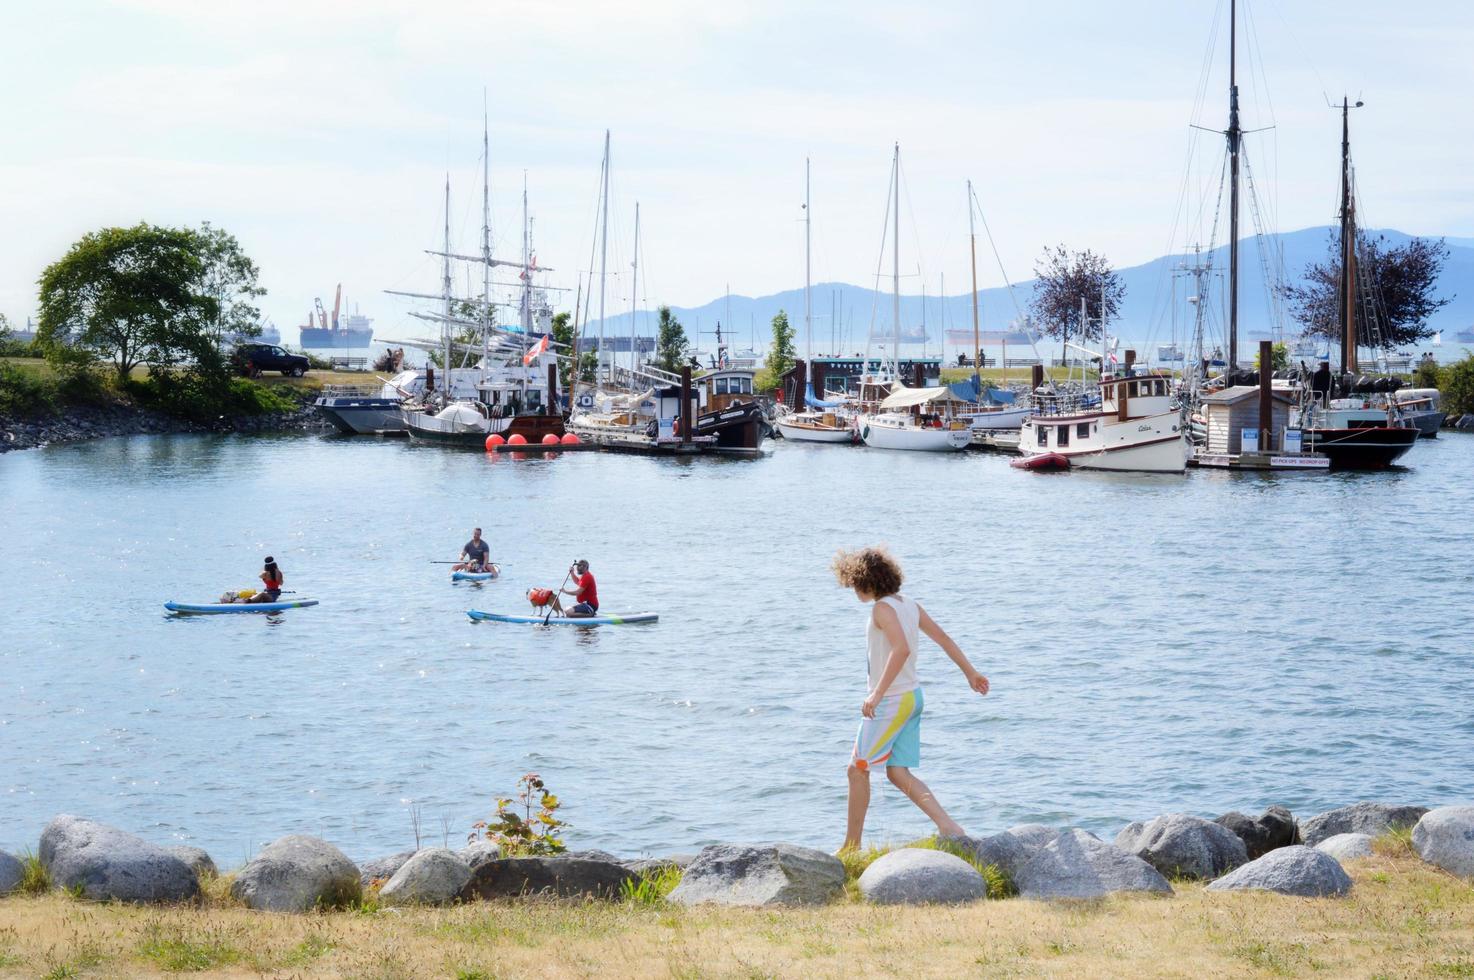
[
  {"x": 434, "y": 562},
  {"x": 557, "y": 596}
]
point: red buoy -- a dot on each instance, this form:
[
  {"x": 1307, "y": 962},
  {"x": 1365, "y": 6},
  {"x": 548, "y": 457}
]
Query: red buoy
[
  {"x": 494, "y": 440},
  {"x": 569, "y": 439},
  {"x": 550, "y": 440},
  {"x": 517, "y": 439}
]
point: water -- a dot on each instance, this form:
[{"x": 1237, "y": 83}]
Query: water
[{"x": 1155, "y": 644}]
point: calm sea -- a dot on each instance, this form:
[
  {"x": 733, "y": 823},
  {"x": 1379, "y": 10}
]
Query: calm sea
[{"x": 1156, "y": 644}]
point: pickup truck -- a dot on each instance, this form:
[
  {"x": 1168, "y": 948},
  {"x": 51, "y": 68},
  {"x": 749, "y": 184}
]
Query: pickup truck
[{"x": 252, "y": 359}]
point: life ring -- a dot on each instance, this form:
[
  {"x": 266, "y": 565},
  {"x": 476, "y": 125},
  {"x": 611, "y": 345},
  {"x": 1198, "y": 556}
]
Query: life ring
[{"x": 675, "y": 426}]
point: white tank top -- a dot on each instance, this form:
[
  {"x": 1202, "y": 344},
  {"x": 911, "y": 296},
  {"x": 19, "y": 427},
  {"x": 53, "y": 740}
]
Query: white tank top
[{"x": 878, "y": 648}]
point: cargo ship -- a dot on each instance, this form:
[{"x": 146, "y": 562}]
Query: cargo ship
[{"x": 354, "y": 331}]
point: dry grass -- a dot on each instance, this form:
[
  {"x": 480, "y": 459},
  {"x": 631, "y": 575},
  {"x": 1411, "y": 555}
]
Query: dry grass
[{"x": 1403, "y": 919}]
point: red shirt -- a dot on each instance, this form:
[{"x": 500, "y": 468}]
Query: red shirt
[{"x": 587, "y": 590}]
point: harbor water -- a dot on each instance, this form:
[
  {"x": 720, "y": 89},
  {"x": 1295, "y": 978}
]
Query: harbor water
[{"x": 1155, "y": 644}]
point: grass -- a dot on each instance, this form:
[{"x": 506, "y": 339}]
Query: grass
[
  {"x": 652, "y": 887},
  {"x": 1404, "y": 918}
]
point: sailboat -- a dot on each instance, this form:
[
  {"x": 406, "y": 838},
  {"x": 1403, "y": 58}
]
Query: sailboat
[
  {"x": 1353, "y": 432},
  {"x": 999, "y": 411},
  {"x": 817, "y": 421},
  {"x": 919, "y": 419}
]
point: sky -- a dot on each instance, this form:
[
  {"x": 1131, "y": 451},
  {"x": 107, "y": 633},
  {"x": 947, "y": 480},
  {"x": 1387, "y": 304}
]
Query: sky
[{"x": 321, "y": 133}]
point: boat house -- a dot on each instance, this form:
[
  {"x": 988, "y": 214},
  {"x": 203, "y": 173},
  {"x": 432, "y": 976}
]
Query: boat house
[{"x": 1229, "y": 412}]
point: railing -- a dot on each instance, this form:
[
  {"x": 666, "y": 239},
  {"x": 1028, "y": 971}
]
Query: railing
[{"x": 352, "y": 391}]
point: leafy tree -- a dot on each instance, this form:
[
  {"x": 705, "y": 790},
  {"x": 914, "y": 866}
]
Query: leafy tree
[
  {"x": 132, "y": 296},
  {"x": 671, "y": 346},
  {"x": 1456, "y": 388},
  {"x": 780, "y": 359},
  {"x": 1062, "y": 279},
  {"x": 563, "y": 334},
  {"x": 1279, "y": 358},
  {"x": 231, "y": 279},
  {"x": 1396, "y": 294},
  {"x": 462, "y": 337}
]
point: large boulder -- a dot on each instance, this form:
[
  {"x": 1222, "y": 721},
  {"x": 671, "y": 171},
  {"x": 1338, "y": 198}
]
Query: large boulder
[
  {"x": 197, "y": 858},
  {"x": 1293, "y": 870},
  {"x": 111, "y": 864},
  {"x": 1181, "y": 845},
  {"x": 917, "y": 876},
  {"x": 1079, "y": 865},
  {"x": 1445, "y": 837},
  {"x": 1373, "y": 819},
  {"x": 1274, "y": 828},
  {"x": 382, "y": 869},
  {"x": 650, "y": 866},
  {"x": 1011, "y": 849},
  {"x": 478, "y": 852},
  {"x": 1347, "y": 847},
  {"x": 760, "y": 874},
  {"x": 557, "y": 875},
  {"x": 11, "y": 873},
  {"x": 296, "y": 874},
  {"x": 434, "y": 876}
]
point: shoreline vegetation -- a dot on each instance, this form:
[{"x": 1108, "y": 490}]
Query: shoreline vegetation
[{"x": 1402, "y": 918}]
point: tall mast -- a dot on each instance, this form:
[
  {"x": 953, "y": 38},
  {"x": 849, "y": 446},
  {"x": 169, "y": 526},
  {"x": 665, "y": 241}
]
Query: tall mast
[
  {"x": 445, "y": 295},
  {"x": 1348, "y": 248},
  {"x": 634, "y": 290},
  {"x": 977, "y": 337},
  {"x": 896, "y": 264},
  {"x": 485, "y": 238},
  {"x": 603, "y": 245},
  {"x": 1234, "y": 135},
  {"x": 808, "y": 266},
  {"x": 526, "y": 283}
]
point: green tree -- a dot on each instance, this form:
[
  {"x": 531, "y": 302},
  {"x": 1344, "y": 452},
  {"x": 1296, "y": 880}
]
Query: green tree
[
  {"x": 563, "y": 334},
  {"x": 1397, "y": 290},
  {"x": 1279, "y": 358},
  {"x": 781, "y": 356},
  {"x": 1457, "y": 387},
  {"x": 132, "y": 296},
  {"x": 231, "y": 279},
  {"x": 671, "y": 346},
  {"x": 1062, "y": 280}
]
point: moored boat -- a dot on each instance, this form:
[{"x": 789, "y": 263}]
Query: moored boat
[{"x": 1135, "y": 428}]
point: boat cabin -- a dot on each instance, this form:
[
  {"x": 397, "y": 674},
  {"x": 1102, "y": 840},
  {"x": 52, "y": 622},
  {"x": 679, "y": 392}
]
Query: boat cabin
[
  {"x": 1136, "y": 396},
  {"x": 725, "y": 388},
  {"x": 1229, "y": 412}
]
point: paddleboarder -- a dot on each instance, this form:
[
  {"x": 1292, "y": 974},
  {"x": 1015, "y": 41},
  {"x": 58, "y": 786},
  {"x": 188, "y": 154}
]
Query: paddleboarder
[
  {"x": 474, "y": 555},
  {"x": 585, "y": 592},
  {"x": 890, "y": 724},
  {"x": 271, "y": 582}
]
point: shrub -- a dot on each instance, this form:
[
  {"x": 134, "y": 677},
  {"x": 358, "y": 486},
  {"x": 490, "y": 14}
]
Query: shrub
[
  {"x": 198, "y": 397},
  {"x": 527, "y": 832},
  {"x": 34, "y": 878},
  {"x": 25, "y": 393},
  {"x": 652, "y": 887},
  {"x": 1457, "y": 387}
]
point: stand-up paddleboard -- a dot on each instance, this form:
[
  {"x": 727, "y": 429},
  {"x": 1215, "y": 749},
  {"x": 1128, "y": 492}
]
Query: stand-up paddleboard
[
  {"x": 475, "y": 576},
  {"x": 237, "y": 607},
  {"x": 601, "y": 620}
]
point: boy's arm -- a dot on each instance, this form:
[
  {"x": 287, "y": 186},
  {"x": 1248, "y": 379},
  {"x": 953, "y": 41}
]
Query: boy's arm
[
  {"x": 975, "y": 680},
  {"x": 890, "y": 625}
]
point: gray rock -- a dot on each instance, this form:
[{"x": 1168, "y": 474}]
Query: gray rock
[
  {"x": 1346, "y": 847},
  {"x": 1184, "y": 846},
  {"x": 197, "y": 858},
  {"x": 382, "y": 869},
  {"x": 1078, "y": 865},
  {"x": 558, "y": 875},
  {"x": 434, "y": 876},
  {"x": 645, "y": 866},
  {"x": 1274, "y": 828},
  {"x": 916, "y": 876},
  {"x": 760, "y": 874},
  {"x": 296, "y": 874},
  {"x": 11, "y": 872},
  {"x": 1034, "y": 837},
  {"x": 111, "y": 864},
  {"x": 1445, "y": 837},
  {"x": 1293, "y": 870},
  {"x": 593, "y": 854},
  {"x": 1359, "y": 818},
  {"x": 1006, "y": 852},
  {"x": 477, "y": 853}
]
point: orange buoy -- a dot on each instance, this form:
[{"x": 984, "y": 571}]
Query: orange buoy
[
  {"x": 517, "y": 439},
  {"x": 569, "y": 439},
  {"x": 494, "y": 440},
  {"x": 550, "y": 440}
]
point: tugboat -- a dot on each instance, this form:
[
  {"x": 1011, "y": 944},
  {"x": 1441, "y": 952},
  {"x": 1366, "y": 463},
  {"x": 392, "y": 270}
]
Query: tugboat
[{"x": 1135, "y": 427}]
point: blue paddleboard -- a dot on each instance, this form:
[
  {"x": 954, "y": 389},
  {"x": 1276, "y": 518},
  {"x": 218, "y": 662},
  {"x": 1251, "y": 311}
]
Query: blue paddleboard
[
  {"x": 603, "y": 620},
  {"x": 237, "y": 607}
]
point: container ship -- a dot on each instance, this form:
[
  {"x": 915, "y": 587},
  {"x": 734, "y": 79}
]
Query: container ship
[{"x": 354, "y": 331}]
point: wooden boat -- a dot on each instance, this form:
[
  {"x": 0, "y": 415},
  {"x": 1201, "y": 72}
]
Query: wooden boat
[{"x": 1135, "y": 428}]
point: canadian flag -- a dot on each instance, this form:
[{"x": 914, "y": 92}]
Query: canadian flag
[{"x": 540, "y": 347}]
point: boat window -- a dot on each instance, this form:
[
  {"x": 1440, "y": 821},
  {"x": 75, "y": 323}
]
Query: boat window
[
  {"x": 721, "y": 384},
  {"x": 1159, "y": 388},
  {"x": 1043, "y": 431},
  {"x": 1131, "y": 390},
  {"x": 746, "y": 385},
  {"x": 1082, "y": 430},
  {"x": 1063, "y": 439}
]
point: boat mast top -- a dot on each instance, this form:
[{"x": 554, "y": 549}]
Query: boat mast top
[
  {"x": 977, "y": 341},
  {"x": 603, "y": 245},
  {"x": 1235, "y": 137},
  {"x": 808, "y": 260},
  {"x": 445, "y": 296},
  {"x": 634, "y": 290},
  {"x": 485, "y": 239},
  {"x": 1347, "y": 299},
  {"x": 896, "y": 265}
]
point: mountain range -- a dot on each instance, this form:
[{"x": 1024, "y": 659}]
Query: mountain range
[{"x": 1155, "y": 309}]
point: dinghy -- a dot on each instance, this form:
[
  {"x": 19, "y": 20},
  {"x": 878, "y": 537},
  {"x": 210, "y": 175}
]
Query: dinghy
[
  {"x": 1042, "y": 463},
  {"x": 237, "y": 607},
  {"x": 600, "y": 620}
]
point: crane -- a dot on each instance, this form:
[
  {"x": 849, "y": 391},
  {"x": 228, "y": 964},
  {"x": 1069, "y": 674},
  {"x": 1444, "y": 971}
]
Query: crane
[
  {"x": 322, "y": 314},
  {"x": 337, "y": 304}
]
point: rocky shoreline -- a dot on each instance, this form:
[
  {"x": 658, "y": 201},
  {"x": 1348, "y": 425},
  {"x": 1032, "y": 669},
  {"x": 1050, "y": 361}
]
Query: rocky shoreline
[
  {"x": 1272, "y": 852},
  {"x": 81, "y": 423}
]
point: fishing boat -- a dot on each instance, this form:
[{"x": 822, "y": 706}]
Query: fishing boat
[
  {"x": 1420, "y": 406},
  {"x": 817, "y": 420},
  {"x": 379, "y": 409},
  {"x": 1134, "y": 428}
]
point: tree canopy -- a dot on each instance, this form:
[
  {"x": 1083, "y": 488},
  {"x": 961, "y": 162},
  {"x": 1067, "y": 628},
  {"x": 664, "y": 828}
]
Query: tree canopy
[
  {"x": 231, "y": 279},
  {"x": 1064, "y": 278},
  {"x": 1396, "y": 291},
  {"x": 671, "y": 346},
  {"x": 781, "y": 355}
]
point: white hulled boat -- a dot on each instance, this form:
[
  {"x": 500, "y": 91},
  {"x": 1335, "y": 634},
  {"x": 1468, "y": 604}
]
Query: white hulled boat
[
  {"x": 918, "y": 419},
  {"x": 1135, "y": 428}
]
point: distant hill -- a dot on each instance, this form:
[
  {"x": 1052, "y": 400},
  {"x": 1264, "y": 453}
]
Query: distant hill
[{"x": 1147, "y": 317}]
